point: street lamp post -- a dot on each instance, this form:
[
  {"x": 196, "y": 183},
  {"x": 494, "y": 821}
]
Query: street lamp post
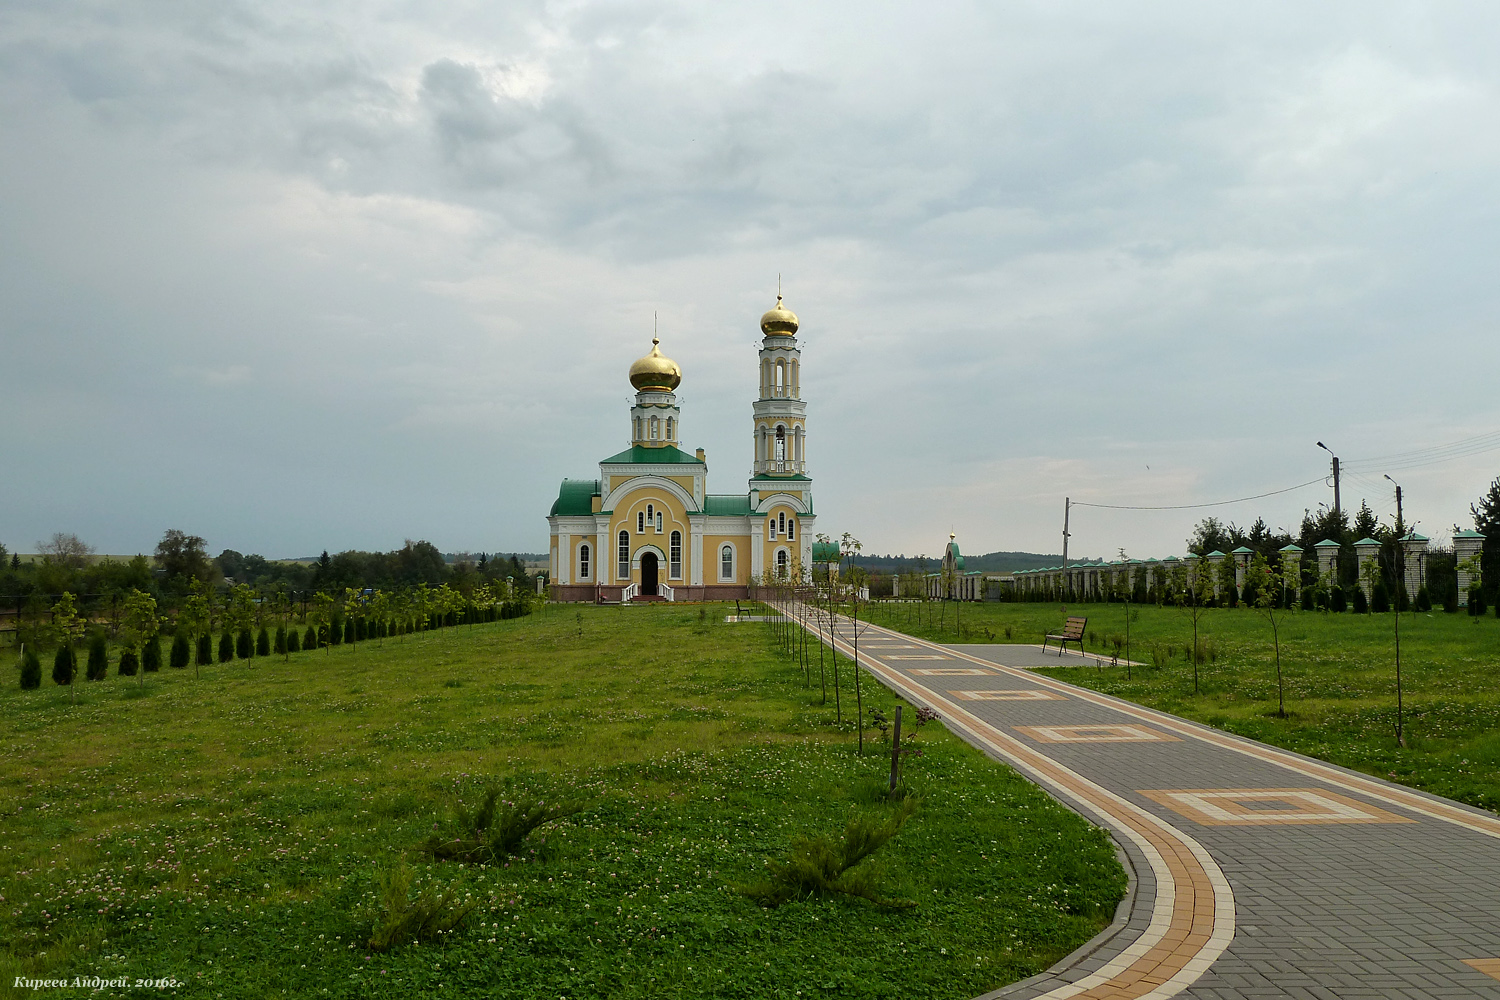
[{"x": 1337, "y": 507}]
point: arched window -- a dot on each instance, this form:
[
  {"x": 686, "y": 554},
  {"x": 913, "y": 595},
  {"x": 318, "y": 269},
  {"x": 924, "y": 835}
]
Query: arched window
[
  {"x": 583, "y": 561},
  {"x": 655, "y": 428},
  {"x": 726, "y": 563},
  {"x": 781, "y": 523},
  {"x": 781, "y": 563},
  {"x": 780, "y": 378},
  {"x": 640, "y": 522},
  {"x": 624, "y": 567},
  {"x": 658, "y": 522},
  {"x": 771, "y": 528},
  {"x": 675, "y": 553},
  {"x": 791, "y": 529},
  {"x": 669, "y": 428},
  {"x": 780, "y": 448},
  {"x": 637, "y": 422},
  {"x": 796, "y": 379}
]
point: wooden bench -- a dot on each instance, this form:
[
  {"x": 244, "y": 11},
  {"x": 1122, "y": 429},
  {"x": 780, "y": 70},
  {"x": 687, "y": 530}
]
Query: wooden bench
[{"x": 1072, "y": 632}]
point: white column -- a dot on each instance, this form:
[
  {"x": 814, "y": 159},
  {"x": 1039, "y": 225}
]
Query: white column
[
  {"x": 697, "y": 555},
  {"x": 1368, "y": 550},
  {"x": 564, "y": 557},
  {"x": 757, "y": 548},
  {"x": 1466, "y": 545}
]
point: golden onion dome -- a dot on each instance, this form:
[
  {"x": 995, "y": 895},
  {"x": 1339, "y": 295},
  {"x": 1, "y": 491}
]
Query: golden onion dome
[
  {"x": 779, "y": 321},
  {"x": 655, "y": 371}
]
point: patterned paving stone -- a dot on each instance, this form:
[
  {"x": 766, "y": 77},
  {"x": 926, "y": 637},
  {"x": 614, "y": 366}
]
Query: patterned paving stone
[{"x": 1255, "y": 872}]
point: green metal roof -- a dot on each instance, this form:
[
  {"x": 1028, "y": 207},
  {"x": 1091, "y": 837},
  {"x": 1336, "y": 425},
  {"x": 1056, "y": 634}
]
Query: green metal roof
[
  {"x": 727, "y": 506},
  {"x": 576, "y": 497},
  {"x": 798, "y": 478},
  {"x": 1468, "y": 533},
  {"x": 1325, "y": 543},
  {"x": 1243, "y": 548},
  {"x": 641, "y": 455},
  {"x": 825, "y": 552},
  {"x": 1291, "y": 548},
  {"x": 1367, "y": 541}
]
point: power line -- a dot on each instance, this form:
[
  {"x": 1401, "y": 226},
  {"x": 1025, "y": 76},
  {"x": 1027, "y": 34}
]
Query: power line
[
  {"x": 1464, "y": 448},
  {"x": 1192, "y": 506}
]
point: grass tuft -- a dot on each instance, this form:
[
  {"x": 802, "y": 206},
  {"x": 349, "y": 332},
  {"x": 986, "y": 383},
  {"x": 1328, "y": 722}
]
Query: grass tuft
[{"x": 823, "y": 866}]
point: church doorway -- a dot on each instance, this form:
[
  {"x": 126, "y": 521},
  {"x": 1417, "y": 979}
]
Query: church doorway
[{"x": 648, "y": 574}]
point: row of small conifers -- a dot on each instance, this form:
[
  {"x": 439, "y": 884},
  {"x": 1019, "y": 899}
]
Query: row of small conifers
[{"x": 366, "y": 615}]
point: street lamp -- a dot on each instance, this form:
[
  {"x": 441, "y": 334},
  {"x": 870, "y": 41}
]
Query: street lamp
[
  {"x": 1337, "y": 507},
  {"x": 1400, "y": 522}
]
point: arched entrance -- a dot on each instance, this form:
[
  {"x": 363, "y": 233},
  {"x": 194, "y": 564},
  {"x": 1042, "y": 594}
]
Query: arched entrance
[{"x": 648, "y": 574}]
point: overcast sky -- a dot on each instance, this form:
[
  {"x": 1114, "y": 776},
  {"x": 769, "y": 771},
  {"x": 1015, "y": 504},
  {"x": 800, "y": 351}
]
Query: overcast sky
[{"x": 296, "y": 276}]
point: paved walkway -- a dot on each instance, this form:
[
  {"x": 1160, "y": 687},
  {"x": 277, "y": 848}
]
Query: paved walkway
[{"x": 1255, "y": 872}]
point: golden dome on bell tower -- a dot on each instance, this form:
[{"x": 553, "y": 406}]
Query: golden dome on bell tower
[
  {"x": 655, "y": 371},
  {"x": 779, "y": 321}
]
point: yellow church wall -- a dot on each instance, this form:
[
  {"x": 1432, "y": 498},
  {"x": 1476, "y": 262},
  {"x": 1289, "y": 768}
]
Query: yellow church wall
[
  {"x": 711, "y": 545},
  {"x": 576, "y": 543}
]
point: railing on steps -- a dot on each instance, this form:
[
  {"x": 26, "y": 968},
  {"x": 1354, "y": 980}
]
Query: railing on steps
[
  {"x": 628, "y": 594},
  {"x": 666, "y": 591}
]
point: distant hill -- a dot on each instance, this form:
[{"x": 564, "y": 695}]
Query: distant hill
[{"x": 990, "y": 562}]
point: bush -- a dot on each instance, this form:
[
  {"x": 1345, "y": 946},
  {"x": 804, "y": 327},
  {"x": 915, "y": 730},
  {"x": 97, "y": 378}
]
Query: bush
[
  {"x": 1424, "y": 601},
  {"x": 1476, "y": 600},
  {"x": 64, "y": 665},
  {"x": 336, "y": 634},
  {"x": 244, "y": 645},
  {"x": 1361, "y": 606},
  {"x": 263, "y": 643},
  {"x": 293, "y": 641},
  {"x": 1338, "y": 600},
  {"x": 820, "y": 866},
  {"x": 151, "y": 656},
  {"x": 351, "y": 634},
  {"x": 182, "y": 652},
  {"x": 31, "y": 670},
  {"x": 496, "y": 829},
  {"x": 401, "y": 919},
  {"x": 280, "y": 642},
  {"x": 204, "y": 654},
  {"x": 98, "y": 667},
  {"x": 226, "y": 646},
  {"x": 1380, "y": 598},
  {"x": 129, "y": 663},
  {"x": 1403, "y": 599},
  {"x": 1450, "y": 601},
  {"x": 310, "y": 640},
  {"x": 1309, "y": 599}
]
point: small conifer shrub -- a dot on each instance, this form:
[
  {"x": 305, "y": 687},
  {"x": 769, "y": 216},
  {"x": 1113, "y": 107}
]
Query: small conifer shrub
[
  {"x": 263, "y": 643},
  {"x": 151, "y": 655},
  {"x": 226, "y": 646},
  {"x": 293, "y": 642},
  {"x": 63, "y": 666},
  {"x": 98, "y": 667},
  {"x": 310, "y": 640},
  {"x": 1380, "y": 598},
  {"x": 1361, "y": 605},
  {"x": 336, "y": 634},
  {"x": 1338, "y": 600},
  {"x": 31, "y": 670},
  {"x": 204, "y": 654},
  {"x": 129, "y": 663},
  {"x": 1424, "y": 599},
  {"x": 279, "y": 643},
  {"x": 244, "y": 645},
  {"x": 182, "y": 652}
]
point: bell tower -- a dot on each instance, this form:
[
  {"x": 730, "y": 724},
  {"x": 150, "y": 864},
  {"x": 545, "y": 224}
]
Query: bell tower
[{"x": 780, "y": 412}]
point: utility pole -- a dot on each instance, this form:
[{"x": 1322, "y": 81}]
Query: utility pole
[
  {"x": 1400, "y": 521},
  {"x": 1067, "y": 509},
  {"x": 1337, "y": 507}
]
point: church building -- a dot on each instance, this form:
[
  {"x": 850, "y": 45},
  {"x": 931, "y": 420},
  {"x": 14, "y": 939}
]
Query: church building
[{"x": 648, "y": 529}]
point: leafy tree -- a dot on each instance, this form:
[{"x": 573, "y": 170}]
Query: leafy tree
[
  {"x": 98, "y": 666},
  {"x": 194, "y": 621},
  {"x": 140, "y": 624},
  {"x": 67, "y": 628},
  {"x": 182, "y": 651},
  {"x": 1269, "y": 581},
  {"x": 1195, "y": 588},
  {"x": 65, "y": 550},
  {"x": 183, "y": 558},
  {"x": 31, "y": 670}
]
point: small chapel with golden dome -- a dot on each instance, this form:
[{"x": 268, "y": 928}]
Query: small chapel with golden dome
[{"x": 648, "y": 529}]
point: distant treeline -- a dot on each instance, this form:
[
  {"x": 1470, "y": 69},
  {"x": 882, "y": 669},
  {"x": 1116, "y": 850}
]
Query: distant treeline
[{"x": 182, "y": 564}]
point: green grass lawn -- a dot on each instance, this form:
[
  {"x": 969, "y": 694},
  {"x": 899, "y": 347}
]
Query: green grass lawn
[
  {"x": 1338, "y": 675},
  {"x": 230, "y": 832}
]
